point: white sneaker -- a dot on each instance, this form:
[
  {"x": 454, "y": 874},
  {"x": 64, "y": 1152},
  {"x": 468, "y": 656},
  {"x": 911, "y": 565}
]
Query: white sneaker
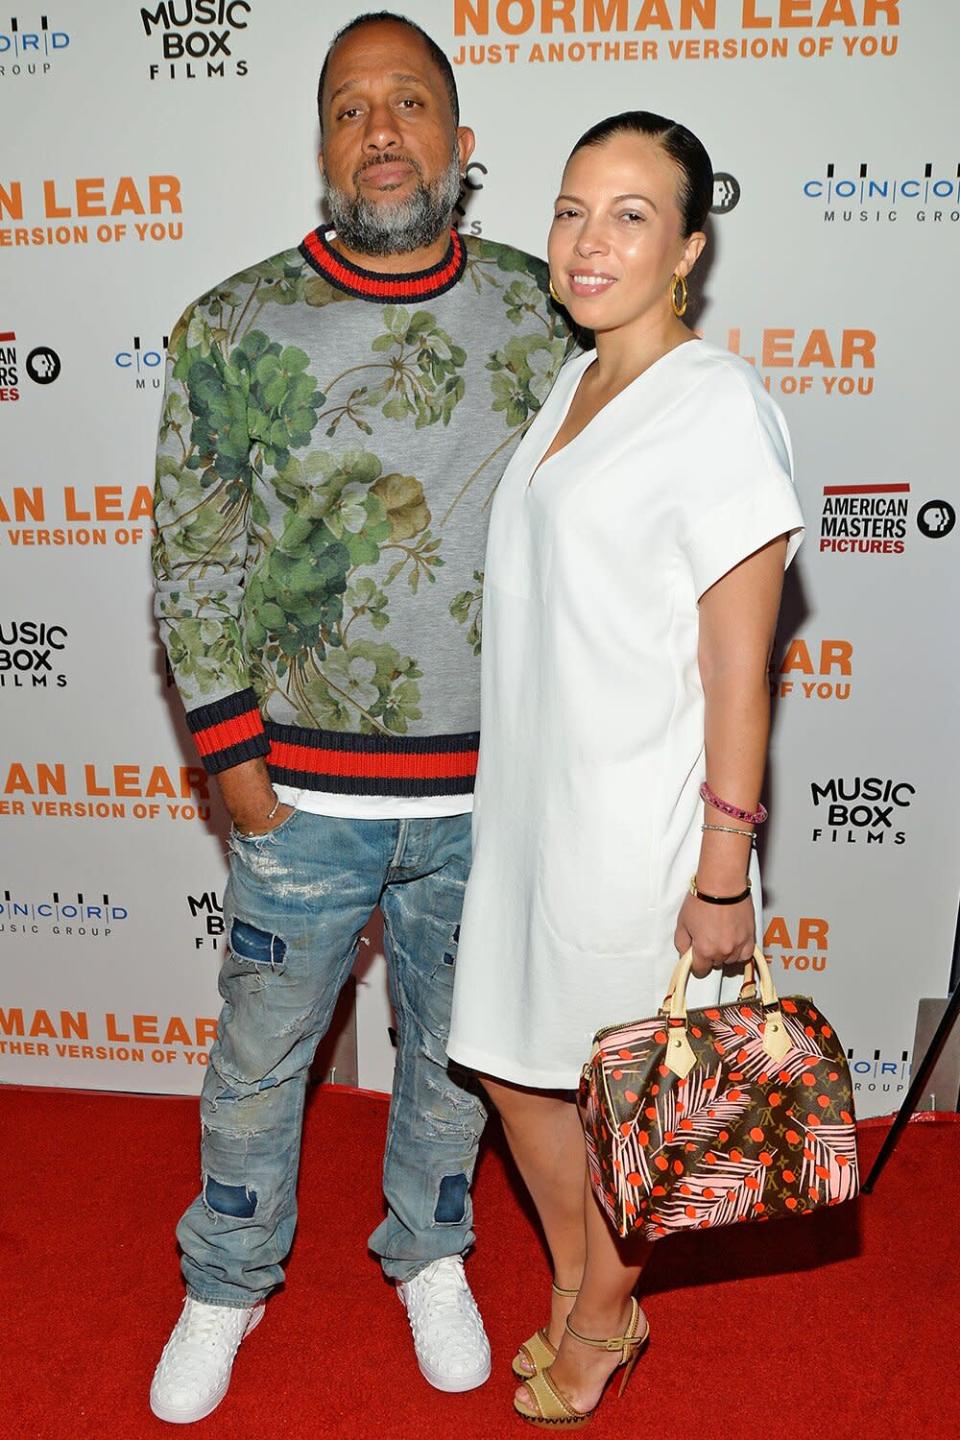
[
  {"x": 194, "y": 1370},
  {"x": 453, "y": 1351}
]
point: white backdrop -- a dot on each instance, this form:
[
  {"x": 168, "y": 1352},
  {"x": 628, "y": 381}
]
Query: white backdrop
[{"x": 150, "y": 152}]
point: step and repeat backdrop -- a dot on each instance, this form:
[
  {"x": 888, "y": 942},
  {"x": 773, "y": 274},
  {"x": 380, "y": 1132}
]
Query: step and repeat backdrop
[{"x": 151, "y": 150}]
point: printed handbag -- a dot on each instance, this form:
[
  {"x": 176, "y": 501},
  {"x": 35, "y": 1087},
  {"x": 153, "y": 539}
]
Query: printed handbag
[{"x": 737, "y": 1112}]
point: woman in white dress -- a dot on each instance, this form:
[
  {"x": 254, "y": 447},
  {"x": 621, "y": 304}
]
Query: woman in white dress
[{"x": 634, "y": 568}]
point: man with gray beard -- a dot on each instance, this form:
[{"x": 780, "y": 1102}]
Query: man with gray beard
[{"x": 335, "y": 421}]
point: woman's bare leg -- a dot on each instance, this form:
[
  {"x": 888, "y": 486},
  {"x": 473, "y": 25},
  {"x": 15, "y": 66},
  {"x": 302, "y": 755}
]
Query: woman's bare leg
[
  {"x": 545, "y": 1137},
  {"x": 601, "y": 1310}
]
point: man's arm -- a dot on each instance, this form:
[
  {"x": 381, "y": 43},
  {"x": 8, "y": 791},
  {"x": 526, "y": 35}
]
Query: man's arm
[{"x": 202, "y": 517}]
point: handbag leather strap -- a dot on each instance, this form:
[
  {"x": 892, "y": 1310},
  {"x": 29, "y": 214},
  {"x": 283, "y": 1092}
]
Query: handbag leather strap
[{"x": 680, "y": 1057}]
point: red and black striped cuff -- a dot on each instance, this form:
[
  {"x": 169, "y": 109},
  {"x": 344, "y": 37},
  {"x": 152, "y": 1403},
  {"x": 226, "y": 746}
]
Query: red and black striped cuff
[
  {"x": 374, "y": 285},
  {"x": 345, "y": 764},
  {"x": 228, "y": 731}
]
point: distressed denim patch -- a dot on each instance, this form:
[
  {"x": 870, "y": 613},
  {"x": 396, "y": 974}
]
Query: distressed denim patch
[
  {"x": 451, "y": 1201},
  {"x": 250, "y": 943},
  {"x": 234, "y": 1200}
]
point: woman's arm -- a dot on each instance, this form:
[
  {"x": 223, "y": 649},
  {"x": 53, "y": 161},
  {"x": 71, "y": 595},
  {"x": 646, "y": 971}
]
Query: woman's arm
[{"x": 738, "y": 617}]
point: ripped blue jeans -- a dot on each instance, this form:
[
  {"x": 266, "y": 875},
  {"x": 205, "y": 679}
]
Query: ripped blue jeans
[{"x": 296, "y": 903}]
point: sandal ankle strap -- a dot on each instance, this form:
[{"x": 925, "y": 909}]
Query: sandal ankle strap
[
  {"x": 559, "y": 1290},
  {"x": 614, "y": 1342}
]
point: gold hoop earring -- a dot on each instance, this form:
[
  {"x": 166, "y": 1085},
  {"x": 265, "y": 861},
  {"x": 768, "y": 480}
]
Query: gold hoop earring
[
  {"x": 679, "y": 308},
  {"x": 553, "y": 294}
]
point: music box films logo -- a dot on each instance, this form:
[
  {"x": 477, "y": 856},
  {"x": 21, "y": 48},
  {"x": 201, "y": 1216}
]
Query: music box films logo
[
  {"x": 196, "y": 39},
  {"x": 31, "y": 45},
  {"x": 31, "y": 654},
  {"x": 861, "y": 810}
]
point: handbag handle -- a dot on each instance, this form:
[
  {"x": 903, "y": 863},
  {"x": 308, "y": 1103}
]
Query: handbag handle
[{"x": 680, "y": 1057}]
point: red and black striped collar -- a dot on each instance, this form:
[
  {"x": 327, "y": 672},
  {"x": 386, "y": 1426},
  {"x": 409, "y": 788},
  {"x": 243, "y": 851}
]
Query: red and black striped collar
[{"x": 375, "y": 285}]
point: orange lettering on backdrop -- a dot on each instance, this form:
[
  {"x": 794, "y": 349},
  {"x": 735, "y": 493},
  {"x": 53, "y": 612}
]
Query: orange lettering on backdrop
[
  {"x": 817, "y": 350},
  {"x": 74, "y": 1024},
  {"x": 889, "y": 9},
  {"x": 126, "y": 780},
  {"x": 505, "y": 20},
  {"x": 654, "y": 12},
  {"x": 11, "y": 201},
  {"x": 51, "y": 779},
  {"x": 126, "y": 198},
  {"x": 90, "y": 780},
  {"x": 837, "y": 653},
  {"x": 43, "y": 1025},
  {"x": 145, "y": 1029},
  {"x": 160, "y": 784},
  {"x": 206, "y": 1032},
  {"x": 560, "y": 11},
  {"x": 50, "y": 207},
  {"x": 795, "y": 12},
  {"x": 753, "y": 21},
  {"x": 70, "y": 505},
  {"x": 477, "y": 12},
  {"x": 142, "y": 503},
  {"x": 194, "y": 778},
  {"x": 859, "y": 345},
  {"x": 25, "y": 503},
  {"x": 797, "y": 658},
  {"x": 777, "y": 347},
  {"x": 176, "y": 1031},
  {"x": 811, "y": 929},
  {"x": 108, "y": 500},
  {"x": 90, "y": 197},
  {"x": 112, "y": 1032},
  {"x": 604, "y": 15},
  {"x": 841, "y": 10}
]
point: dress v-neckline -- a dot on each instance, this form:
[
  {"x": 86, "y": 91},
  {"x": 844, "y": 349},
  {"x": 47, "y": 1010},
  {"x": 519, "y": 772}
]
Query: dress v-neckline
[{"x": 545, "y": 458}]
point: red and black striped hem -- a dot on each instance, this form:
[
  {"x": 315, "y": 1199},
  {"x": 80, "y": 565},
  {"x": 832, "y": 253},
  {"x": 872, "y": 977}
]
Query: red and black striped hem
[
  {"x": 372, "y": 285},
  {"x": 346, "y": 764},
  {"x": 228, "y": 731}
]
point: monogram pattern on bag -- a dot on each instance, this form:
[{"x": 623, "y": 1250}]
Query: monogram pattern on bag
[{"x": 742, "y": 1137}]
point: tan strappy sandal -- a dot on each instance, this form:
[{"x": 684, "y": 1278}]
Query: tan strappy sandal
[
  {"x": 553, "y": 1409},
  {"x": 537, "y": 1351}
]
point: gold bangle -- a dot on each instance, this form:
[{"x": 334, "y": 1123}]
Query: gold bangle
[{"x": 719, "y": 899}]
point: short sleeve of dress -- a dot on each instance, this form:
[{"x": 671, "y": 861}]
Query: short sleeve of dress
[{"x": 742, "y": 496}]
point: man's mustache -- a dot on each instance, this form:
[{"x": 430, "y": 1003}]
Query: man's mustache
[{"x": 392, "y": 159}]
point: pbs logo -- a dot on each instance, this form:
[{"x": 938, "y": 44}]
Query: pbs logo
[{"x": 726, "y": 193}]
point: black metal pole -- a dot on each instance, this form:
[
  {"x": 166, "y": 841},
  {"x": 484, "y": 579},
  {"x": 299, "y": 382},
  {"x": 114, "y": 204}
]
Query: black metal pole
[{"x": 916, "y": 1090}]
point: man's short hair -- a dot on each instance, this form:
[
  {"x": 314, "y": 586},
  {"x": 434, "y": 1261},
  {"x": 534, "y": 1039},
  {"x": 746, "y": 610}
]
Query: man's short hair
[{"x": 372, "y": 17}]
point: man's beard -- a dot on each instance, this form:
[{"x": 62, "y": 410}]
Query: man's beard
[{"x": 384, "y": 229}]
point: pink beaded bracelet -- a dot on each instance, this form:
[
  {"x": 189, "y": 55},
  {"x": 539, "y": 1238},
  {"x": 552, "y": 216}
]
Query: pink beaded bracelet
[{"x": 750, "y": 817}]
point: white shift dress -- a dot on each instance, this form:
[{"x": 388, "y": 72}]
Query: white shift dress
[{"x": 586, "y": 813}]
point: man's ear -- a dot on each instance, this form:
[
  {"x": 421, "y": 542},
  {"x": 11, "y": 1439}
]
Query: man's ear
[
  {"x": 466, "y": 143},
  {"x": 320, "y": 162}
]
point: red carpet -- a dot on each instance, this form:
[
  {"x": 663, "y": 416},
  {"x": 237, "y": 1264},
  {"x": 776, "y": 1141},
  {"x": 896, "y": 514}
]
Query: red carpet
[{"x": 842, "y": 1326}]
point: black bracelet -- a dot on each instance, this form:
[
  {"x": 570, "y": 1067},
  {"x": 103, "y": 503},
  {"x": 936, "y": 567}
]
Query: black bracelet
[{"x": 718, "y": 899}]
